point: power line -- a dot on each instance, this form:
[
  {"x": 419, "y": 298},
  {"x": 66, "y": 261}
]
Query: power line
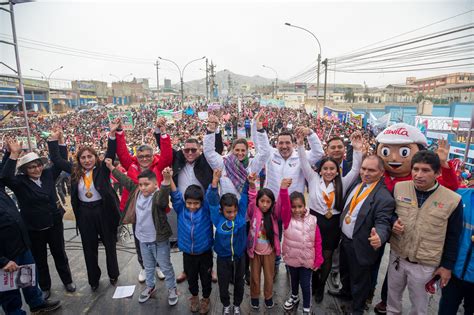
[{"x": 405, "y": 70}]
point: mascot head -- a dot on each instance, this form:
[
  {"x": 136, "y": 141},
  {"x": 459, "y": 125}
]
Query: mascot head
[{"x": 396, "y": 145}]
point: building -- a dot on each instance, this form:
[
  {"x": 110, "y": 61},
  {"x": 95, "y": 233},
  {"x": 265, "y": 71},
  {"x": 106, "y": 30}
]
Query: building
[
  {"x": 431, "y": 86},
  {"x": 36, "y": 93}
]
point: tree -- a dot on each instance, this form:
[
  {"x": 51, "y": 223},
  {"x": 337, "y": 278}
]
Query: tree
[{"x": 349, "y": 96}]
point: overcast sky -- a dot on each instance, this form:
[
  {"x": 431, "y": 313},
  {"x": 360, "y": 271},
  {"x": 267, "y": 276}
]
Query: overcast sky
[{"x": 239, "y": 36}]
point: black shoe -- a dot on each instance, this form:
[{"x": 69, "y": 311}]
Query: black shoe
[
  {"x": 70, "y": 287},
  {"x": 269, "y": 303},
  {"x": 94, "y": 287},
  {"x": 46, "y": 294},
  {"x": 47, "y": 306},
  {"x": 254, "y": 303},
  {"x": 113, "y": 281},
  {"x": 340, "y": 294}
]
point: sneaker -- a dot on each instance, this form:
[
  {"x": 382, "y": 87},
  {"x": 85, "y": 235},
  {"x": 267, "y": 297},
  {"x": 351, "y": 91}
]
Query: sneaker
[
  {"x": 381, "y": 308},
  {"x": 146, "y": 294},
  {"x": 47, "y": 306},
  {"x": 306, "y": 311},
  {"x": 269, "y": 303},
  {"x": 236, "y": 310},
  {"x": 226, "y": 310},
  {"x": 291, "y": 302},
  {"x": 159, "y": 273},
  {"x": 194, "y": 304},
  {"x": 204, "y": 306},
  {"x": 172, "y": 296},
  {"x": 254, "y": 303},
  {"x": 142, "y": 276}
]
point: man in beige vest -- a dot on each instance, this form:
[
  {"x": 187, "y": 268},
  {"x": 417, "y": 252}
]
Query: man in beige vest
[{"x": 425, "y": 236}]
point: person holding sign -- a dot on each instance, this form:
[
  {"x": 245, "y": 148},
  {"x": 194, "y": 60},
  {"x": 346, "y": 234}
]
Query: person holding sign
[
  {"x": 366, "y": 226},
  {"x": 327, "y": 188},
  {"x": 41, "y": 211},
  {"x": 95, "y": 204},
  {"x": 134, "y": 165}
]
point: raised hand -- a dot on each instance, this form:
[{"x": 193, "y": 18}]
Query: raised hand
[
  {"x": 252, "y": 178},
  {"x": 285, "y": 183},
  {"x": 167, "y": 174},
  {"x": 110, "y": 165},
  {"x": 398, "y": 227},
  {"x": 114, "y": 125},
  {"x": 216, "y": 176},
  {"x": 443, "y": 152},
  {"x": 374, "y": 239},
  {"x": 357, "y": 141},
  {"x": 14, "y": 148},
  {"x": 212, "y": 123},
  {"x": 259, "y": 120},
  {"x": 161, "y": 124}
]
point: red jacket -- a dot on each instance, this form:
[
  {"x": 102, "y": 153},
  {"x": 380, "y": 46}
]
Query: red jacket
[
  {"x": 130, "y": 163},
  {"x": 447, "y": 178}
]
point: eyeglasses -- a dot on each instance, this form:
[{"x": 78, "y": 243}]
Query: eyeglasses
[
  {"x": 188, "y": 150},
  {"x": 145, "y": 156}
]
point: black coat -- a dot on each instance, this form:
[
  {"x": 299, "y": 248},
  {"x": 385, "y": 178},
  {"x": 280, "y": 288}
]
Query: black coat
[
  {"x": 202, "y": 170},
  {"x": 40, "y": 207},
  {"x": 13, "y": 234},
  {"x": 110, "y": 201},
  {"x": 376, "y": 211}
]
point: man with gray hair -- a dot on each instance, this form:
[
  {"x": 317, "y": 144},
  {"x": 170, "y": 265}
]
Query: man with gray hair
[{"x": 134, "y": 165}]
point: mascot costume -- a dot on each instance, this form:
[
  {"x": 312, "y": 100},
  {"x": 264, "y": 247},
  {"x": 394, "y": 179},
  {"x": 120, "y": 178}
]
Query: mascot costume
[{"x": 396, "y": 145}]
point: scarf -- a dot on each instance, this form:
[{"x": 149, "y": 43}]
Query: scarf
[{"x": 236, "y": 170}]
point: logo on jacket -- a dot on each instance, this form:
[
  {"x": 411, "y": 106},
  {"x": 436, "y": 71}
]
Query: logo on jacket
[{"x": 225, "y": 226}]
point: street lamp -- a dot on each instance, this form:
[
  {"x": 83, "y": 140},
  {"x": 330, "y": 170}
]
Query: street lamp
[
  {"x": 121, "y": 84},
  {"x": 48, "y": 78},
  {"x": 181, "y": 73},
  {"x": 275, "y": 90},
  {"x": 319, "y": 55}
]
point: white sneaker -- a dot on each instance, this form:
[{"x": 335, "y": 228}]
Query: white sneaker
[
  {"x": 172, "y": 296},
  {"x": 142, "y": 276},
  {"x": 160, "y": 274},
  {"x": 236, "y": 310}
]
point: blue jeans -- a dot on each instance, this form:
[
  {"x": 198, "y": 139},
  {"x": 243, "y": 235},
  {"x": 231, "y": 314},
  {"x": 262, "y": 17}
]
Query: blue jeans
[
  {"x": 11, "y": 300},
  {"x": 157, "y": 252}
]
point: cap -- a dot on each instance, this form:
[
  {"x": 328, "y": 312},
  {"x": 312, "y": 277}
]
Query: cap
[
  {"x": 29, "y": 157},
  {"x": 401, "y": 133}
]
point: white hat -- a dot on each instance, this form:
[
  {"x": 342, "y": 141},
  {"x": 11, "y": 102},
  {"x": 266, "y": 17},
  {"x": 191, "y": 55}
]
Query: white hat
[
  {"x": 401, "y": 133},
  {"x": 29, "y": 157}
]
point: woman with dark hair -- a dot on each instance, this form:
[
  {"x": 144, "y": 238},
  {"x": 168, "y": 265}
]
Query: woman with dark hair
[
  {"x": 35, "y": 190},
  {"x": 95, "y": 205},
  {"x": 236, "y": 165},
  {"x": 326, "y": 190}
]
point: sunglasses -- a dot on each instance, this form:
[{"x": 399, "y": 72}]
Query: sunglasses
[
  {"x": 188, "y": 150},
  {"x": 146, "y": 156}
]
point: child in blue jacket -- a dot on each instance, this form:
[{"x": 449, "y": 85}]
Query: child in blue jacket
[
  {"x": 228, "y": 216},
  {"x": 195, "y": 239}
]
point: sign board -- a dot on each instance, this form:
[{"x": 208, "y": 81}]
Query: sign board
[
  {"x": 24, "y": 142},
  {"x": 272, "y": 103},
  {"x": 203, "y": 115},
  {"x": 167, "y": 113},
  {"x": 126, "y": 118}
]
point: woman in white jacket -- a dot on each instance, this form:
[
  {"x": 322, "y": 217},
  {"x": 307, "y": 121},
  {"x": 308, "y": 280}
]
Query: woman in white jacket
[
  {"x": 236, "y": 165},
  {"x": 326, "y": 190}
]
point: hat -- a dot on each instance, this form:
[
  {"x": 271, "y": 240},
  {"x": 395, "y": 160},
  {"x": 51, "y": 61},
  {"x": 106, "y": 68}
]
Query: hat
[
  {"x": 30, "y": 157},
  {"x": 401, "y": 133}
]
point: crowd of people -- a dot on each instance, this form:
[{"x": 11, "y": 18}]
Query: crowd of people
[{"x": 309, "y": 191}]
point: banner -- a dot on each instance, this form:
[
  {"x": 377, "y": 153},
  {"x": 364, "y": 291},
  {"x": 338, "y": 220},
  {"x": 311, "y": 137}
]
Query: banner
[
  {"x": 24, "y": 141},
  {"x": 189, "y": 111},
  {"x": 203, "y": 115},
  {"x": 126, "y": 118},
  {"x": 272, "y": 103},
  {"x": 356, "y": 120},
  {"x": 213, "y": 106},
  {"x": 23, "y": 277},
  {"x": 167, "y": 113},
  {"x": 178, "y": 115}
]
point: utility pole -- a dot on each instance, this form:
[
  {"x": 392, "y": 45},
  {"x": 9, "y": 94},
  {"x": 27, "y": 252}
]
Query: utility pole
[
  {"x": 325, "y": 63},
  {"x": 229, "y": 82},
  {"x": 207, "y": 81},
  {"x": 212, "y": 80},
  {"x": 157, "y": 64}
]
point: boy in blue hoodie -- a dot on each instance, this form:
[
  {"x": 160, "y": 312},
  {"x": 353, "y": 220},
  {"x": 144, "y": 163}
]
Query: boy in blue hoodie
[
  {"x": 195, "y": 238},
  {"x": 228, "y": 216}
]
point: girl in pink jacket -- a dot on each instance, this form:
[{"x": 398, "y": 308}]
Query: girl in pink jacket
[
  {"x": 301, "y": 251},
  {"x": 262, "y": 243}
]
